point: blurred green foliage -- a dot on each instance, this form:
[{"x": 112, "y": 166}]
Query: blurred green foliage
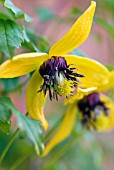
[
  {"x": 32, "y": 128},
  {"x": 45, "y": 14}
]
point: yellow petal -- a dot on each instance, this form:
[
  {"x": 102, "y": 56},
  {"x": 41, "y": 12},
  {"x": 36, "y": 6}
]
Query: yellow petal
[
  {"x": 35, "y": 101},
  {"x": 64, "y": 130},
  {"x": 96, "y": 75},
  {"x": 22, "y": 64},
  {"x": 80, "y": 93},
  {"x": 109, "y": 85},
  {"x": 110, "y": 105},
  {"x": 77, "y": 34}
]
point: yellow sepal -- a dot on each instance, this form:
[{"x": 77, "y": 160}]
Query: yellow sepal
[
  {"x": 64, "y": 130},
  {"x": 96, "y": 75},
  {"x": 110, "y": 105},
  {"x": 79, "y": 94},
  {"x": 77, "y": 34},
  {"x": 22, "y": 64},
  {"x": 109, "y": 85},
  {"x": 36, "y": 100}
]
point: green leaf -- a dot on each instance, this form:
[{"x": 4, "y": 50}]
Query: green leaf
[
  {"x": 15, "y": 11},
  {"x": 5, "y": 115},
  {"x": 9, "y": 84},
  {"x": 5, "y": 16},
  {"x": 32, "y": 128},
  {"x": 45, "y": 14},
  {"x": 11, "y": 37}
]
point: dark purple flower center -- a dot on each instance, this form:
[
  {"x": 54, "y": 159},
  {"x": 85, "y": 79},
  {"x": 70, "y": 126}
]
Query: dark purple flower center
[
  {"x": 54, "y": 71},
  {"x": 91, "y": 108}
]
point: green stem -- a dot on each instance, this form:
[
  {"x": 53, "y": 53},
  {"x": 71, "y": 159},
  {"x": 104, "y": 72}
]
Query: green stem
[
  {"x": 1, "y": 58},
  {"x": 8, "y": 145}
]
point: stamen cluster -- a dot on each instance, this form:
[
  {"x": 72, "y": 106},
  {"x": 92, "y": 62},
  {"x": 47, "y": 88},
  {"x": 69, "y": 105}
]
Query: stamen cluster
[
  {"x": 92, "y": 109},
  {"x": 56, "y": 73}
]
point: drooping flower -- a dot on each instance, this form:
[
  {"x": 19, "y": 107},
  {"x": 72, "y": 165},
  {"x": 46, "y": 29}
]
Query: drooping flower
[
  {"x": 96, "y": 112},
  {"x": 57, "y": 73}
]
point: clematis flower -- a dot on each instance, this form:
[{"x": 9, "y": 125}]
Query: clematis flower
[
  {"x": 96, "y": 113},
  {"x": 58, "y": 73},
  {"x": 95, "y": 109}
]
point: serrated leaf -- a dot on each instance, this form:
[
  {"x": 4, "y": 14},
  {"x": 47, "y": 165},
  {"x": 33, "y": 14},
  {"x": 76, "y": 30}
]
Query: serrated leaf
[
  {"x": 32, "y": 128},
  {"x": 11, "y": 37},
  {"x": 18, "y": 13},
  {"x": 5, "y": 114}
]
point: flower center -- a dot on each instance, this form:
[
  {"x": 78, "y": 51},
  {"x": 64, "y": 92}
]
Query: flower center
[
  {"x": 58, "y": 77},
  {"x": 94, "y": 113}
]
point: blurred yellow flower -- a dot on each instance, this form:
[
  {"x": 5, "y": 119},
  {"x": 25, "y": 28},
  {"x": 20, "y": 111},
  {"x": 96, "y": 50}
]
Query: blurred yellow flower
[
  {"x": 57, "y": 71},
  {"x": 96, "y": 112}
]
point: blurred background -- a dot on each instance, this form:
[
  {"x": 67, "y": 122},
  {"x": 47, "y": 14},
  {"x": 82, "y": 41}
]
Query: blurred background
[{"x": 51, "y": 19}]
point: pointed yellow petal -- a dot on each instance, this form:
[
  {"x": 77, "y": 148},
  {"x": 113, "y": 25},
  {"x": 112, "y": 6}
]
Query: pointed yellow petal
[
  {"x": 22, "y": 64},
  {"x": 35, "y": 101},
  {"x": 96, "y": 75},
  {"x": 80, "y": 93},
  {"x": 109, "y": 85},
  {"x": 77, "y": 34},
  {"x": 64, "y": 130}
]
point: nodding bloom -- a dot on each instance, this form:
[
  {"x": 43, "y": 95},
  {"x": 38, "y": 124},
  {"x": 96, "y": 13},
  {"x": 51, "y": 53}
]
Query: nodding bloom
[
  {"x": 95, "y": 110},
  {"x": 58, "y": 73},
  {"x": 96, "y": 113}
]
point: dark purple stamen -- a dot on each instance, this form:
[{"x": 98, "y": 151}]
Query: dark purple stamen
[
  {"x": 48, "y": 70},
  {"x": 89, "y": 104}
]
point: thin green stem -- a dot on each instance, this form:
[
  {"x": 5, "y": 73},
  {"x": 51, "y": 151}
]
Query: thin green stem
[
  {"x": 8, "y": 145},
  {"x": 1, "y": 58}
]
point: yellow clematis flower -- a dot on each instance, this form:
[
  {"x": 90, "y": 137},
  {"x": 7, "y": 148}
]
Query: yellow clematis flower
[
  {"x": 57, "y": 71},
  {"x": 96, "y": 113}
]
